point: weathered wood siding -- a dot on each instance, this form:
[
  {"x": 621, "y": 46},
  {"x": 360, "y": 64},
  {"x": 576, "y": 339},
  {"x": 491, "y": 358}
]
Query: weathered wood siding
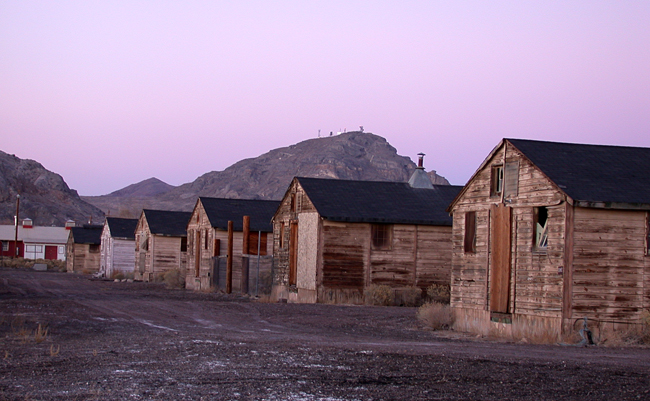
[
  {"x": 433, "y": 260},
  {"x": 536, "y": 287},
  {"x": 339, "y": 259},
  {"x": 123, "y": 252},
  {"x": 394, "y": 266},
  {"x": 610, "y": 268}
]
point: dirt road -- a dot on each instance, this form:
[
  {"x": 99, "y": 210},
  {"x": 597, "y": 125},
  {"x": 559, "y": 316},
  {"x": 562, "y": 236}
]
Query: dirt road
[{"x": 140, "y": 341}]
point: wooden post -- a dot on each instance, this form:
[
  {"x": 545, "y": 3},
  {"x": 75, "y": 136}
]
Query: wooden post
[
  {"x": 244, "y": 256},
  {"x": 229, "y": 260}
]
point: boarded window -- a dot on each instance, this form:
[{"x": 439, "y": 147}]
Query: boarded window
[
  {"x": 184, "y": 244},
  {"x": 511, "y": 179},
  {"x": 293, "y": 202},
  {"x": 217, "y": 247},
  {"x": 381, "y": 236},
  {"x": 540, "y": 221},
  {"x": 496, "y": 180},
  {"x": 252, "y": 243},
  {"x": 282, "y": 235},
  {"x": 647, "y": 233},
  {"x": 470, "y": 232}
]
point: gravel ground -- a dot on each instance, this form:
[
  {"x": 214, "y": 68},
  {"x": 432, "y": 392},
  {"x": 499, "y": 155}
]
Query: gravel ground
[{"x": 141, "y": 341}]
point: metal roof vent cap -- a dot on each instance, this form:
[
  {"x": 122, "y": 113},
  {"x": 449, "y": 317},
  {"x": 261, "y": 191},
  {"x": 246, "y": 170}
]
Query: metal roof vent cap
[{"x": 419, "y": 178}]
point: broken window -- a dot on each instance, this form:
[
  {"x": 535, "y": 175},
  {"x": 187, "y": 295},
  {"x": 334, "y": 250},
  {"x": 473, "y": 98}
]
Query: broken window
[
  {"x": 540, "y": 220},
  {"x": 496, "y": 186},
  {"x": 381, "y": 236},
  {"x": 470, "y": 232}
]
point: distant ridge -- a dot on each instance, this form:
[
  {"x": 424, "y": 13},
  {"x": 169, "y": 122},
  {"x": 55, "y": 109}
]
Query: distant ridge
[
  {"x": 353, "y": 156},
  {"x": 149, "y": 187}
]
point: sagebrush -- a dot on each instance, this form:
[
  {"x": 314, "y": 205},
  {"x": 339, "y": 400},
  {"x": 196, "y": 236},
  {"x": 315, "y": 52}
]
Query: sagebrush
[
  {"x": 380, "y": 295},
  {"x": 435, "y": 315}
]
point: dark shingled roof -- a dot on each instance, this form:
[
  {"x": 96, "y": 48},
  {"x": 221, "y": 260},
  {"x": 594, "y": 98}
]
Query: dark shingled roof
[
  {"x": 379, "y": 201},
  {"x": 221, "y": 210},
  {"x": 122, "y": 228},
  {"x": 163, "y": 222},
  {"x": 593, "y": 173},
  {"x": 88, "y": 234}
]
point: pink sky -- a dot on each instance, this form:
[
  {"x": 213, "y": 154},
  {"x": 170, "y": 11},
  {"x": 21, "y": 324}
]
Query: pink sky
[{"x": 108, "y": 93}]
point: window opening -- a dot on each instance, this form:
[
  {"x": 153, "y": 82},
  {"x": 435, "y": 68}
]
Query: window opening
[
  {"x": 381, "y": 236},
  {"x": 497, "y": 181},
  {"x": 93, "y": 248},
  {"x": 541, "y": 227},
  {"x": 470, "y": 232},
  {"x": 183, "y": 244}
]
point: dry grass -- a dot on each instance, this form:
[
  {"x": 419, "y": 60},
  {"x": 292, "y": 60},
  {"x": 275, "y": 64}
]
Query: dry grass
[
  {"x": 435, "y": 315},
  {"x": 54, "y": 351},
  {"x": 174, "y": 279},
  {"x": 40, "y": 334},
  {"x": 380, "y": 295}
]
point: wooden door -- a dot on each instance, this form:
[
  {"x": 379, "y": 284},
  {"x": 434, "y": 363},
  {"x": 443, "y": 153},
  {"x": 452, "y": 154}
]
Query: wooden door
[
  {"x": 500, "y": 240},
  {"x": 293, "y": 253},
  {"x": 197, "y": 253},
  {"x": 51, "y": 252}
]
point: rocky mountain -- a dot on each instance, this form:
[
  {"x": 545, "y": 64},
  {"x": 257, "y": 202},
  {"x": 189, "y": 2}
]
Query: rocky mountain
[
  {"x": 44, "y": 196},
  {"x": 352, "y": 155}
]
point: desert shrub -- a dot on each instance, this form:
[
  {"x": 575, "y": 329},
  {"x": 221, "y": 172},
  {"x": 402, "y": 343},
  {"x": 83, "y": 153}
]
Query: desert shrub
[
  {"x": 439, "y": 292},
  {"x": 381, "y": 295},
  {"x": 174, "y": 279},
  {"x": 117, "y": 276},
  {"x": 411, "y": 296},
  {"x": 435, "y": 315}
]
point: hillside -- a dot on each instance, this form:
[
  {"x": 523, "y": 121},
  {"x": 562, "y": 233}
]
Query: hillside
[
  {"x": 352, "y": 155},
  {"x": 44, "y": 196}
]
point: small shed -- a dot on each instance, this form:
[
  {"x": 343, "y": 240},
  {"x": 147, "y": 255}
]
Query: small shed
[
  {"x": 549, "y": 234},
  {"x": 83, "y": 249},
  {"x": 209, "y": 240},
  {"x": 160, "y": 243},
  {"x": 117, "y": 251},
  {"x": 334, "y": 238}
]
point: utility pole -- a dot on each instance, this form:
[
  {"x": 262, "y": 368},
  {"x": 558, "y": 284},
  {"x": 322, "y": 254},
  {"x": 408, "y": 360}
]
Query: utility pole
[{"x": 16, "y": 226}]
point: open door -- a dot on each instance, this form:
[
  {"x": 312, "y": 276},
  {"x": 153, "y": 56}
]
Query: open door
[{"x": 500, "y": 241}]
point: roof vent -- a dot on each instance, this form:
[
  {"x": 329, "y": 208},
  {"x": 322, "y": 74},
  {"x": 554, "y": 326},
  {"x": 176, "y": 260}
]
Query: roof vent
[
  {"x": 28, "y": 223},
  {"x": 419, "y": 178}
]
